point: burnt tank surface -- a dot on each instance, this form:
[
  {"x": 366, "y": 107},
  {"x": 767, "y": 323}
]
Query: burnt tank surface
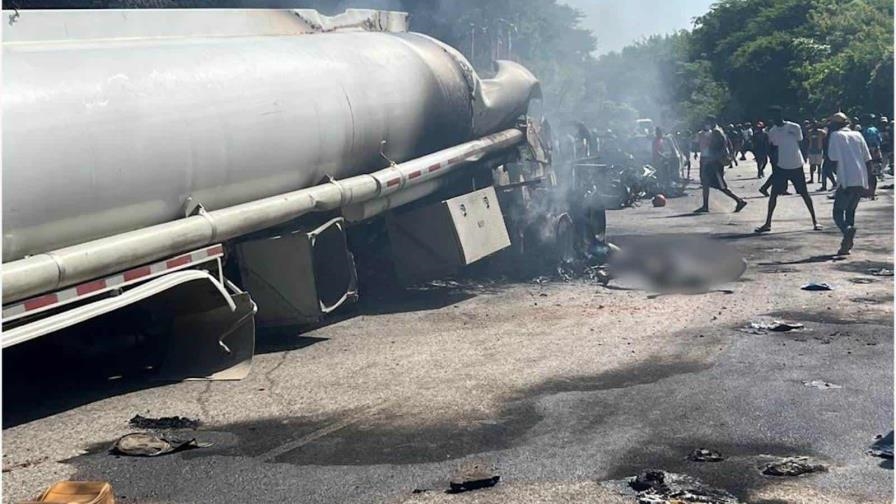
[{"x": 112, "y": 120}]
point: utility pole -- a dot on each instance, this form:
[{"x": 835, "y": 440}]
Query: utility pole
[
  {"x": 473, "y": 44},
  {"x": 511, "y": 28}
]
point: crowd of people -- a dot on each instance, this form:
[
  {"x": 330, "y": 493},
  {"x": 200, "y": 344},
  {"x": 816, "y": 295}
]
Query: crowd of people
[{"x": 849, "y": 153}]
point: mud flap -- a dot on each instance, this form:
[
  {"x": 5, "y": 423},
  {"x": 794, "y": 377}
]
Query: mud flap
[
  {"x": 215, "y": 344},
  {"x": 299, "y": 276}
]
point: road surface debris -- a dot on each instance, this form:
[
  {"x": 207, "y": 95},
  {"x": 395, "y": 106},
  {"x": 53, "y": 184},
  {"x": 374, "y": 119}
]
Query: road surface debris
[
  {"x": 140, "y": 444},
  {"x": 817, "y": 286},
  {"x": 705, "y": 455},
  {"x": 883, "y": 447},
  {"x": 92, "y": 492},
  {"x": 654, "y": 486},
  {"x": 760, "y": 327},
  {"x": 821, "y": 384},
  {"x": 163, "y": 423},
  {"x": 792, "y": 466},
  {"x": 473, "y": 477},
  {"x": 24, "y": 465}
]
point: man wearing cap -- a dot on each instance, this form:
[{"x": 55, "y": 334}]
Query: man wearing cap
[
  {"x": 848, "y": 149},
  {"x": 713, "y": 157},
  {"x": 787, "y": 166}
]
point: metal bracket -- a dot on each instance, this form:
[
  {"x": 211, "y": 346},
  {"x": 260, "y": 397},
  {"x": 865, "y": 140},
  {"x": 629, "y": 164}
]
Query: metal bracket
[
  {"x": 193, "y": 208},
  {"x": 384, "y": 156}
]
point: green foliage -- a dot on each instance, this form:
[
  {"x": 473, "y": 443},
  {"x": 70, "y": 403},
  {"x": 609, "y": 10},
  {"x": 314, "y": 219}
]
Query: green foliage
[
  {"x": 813, "y": 57},
  {"x": 810, "y": 56},
  {"x": 858, "y": 73}
]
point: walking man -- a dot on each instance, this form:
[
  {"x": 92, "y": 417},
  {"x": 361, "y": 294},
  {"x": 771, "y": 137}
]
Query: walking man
[
  {"x": 849, "y": 151},
  {"x": 760, "y": 148},
  {"x": 816, "y": 150},
  {"x": 787, "y": 166},
  {"x": 661, "y": 156},
  {"x": 682, "y": 139},
  {"x": 804, "y": 143},
  {"x": 874, "y": 141},
  {"x": 828, "y": 167},
  {"x": 733, "y": 140},
  {"x": 712, "y": 165},
  {"x": 746, "y": 132},
  {"x": 886, "y": 130}
]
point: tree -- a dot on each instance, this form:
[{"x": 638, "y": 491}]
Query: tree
[
  {"x": 856, "y": 70},
  {"x": 810, "y": 56}
]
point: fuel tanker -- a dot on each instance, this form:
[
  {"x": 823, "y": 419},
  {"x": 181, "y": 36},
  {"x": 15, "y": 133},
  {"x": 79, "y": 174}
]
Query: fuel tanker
[{"x": 155, "y": 158}]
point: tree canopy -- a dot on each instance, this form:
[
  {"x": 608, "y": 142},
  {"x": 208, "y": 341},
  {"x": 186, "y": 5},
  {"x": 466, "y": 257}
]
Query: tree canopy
[
  {"x": 810, "y": 56},
  {"x": 813, "y": 57}
]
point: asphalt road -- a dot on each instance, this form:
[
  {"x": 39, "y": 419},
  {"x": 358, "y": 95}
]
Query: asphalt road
[{"x": 558, "y": 386}]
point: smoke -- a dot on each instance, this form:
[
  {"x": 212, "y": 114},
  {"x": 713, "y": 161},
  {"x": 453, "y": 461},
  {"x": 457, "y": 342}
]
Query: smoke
[{"x": 618, "y": 23}]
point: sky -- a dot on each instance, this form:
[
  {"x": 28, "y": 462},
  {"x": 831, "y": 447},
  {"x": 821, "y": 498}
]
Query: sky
[{"x": 618, "y": 23}]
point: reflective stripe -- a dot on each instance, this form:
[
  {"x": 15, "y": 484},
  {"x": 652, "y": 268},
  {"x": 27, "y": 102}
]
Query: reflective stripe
[
  {"x": 40, "y": 302},
  {"x": 94, "y": 287},
  {"x": 89, "y": 287},
  {"x": 136, "y": 273}
]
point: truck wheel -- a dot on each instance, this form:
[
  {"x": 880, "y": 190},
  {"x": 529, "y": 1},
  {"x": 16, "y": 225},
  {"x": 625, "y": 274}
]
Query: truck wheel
[{"x": 565, "y": 236}]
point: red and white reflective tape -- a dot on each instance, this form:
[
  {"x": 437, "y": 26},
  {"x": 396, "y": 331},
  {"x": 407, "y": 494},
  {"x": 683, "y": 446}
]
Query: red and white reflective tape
[
  {"x": 429, "y": 169},
  {"x": 94, "y": 287}
]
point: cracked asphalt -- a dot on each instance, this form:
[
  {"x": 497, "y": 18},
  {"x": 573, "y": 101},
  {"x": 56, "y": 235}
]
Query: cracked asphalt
[{"x": 560, "y": 386}]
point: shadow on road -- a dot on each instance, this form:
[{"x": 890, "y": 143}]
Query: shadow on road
[
  {"x": 713, "y": 291},
  {"x": 40, "y": 379},
  {"x": 687, "y": 214},
  {"x": 808, "y": 260}
]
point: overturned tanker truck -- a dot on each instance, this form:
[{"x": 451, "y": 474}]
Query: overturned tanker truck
[{"x": 195, "y": 173}]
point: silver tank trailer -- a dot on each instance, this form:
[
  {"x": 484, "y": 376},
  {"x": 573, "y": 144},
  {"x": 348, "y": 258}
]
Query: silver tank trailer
[{"x": 113, "y": 119}]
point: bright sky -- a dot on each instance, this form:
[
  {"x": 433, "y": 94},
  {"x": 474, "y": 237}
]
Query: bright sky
[{"x": 617, "y": 23}]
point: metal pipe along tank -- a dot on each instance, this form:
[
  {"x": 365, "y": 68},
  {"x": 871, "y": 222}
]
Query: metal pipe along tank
[{"x": 68, "y": 266}]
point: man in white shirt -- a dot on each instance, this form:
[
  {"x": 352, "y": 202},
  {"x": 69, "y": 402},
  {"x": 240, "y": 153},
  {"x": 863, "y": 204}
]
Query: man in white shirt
[
  {"x": 787, "y": 166},
  {"x": 848, "y": 149}
]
